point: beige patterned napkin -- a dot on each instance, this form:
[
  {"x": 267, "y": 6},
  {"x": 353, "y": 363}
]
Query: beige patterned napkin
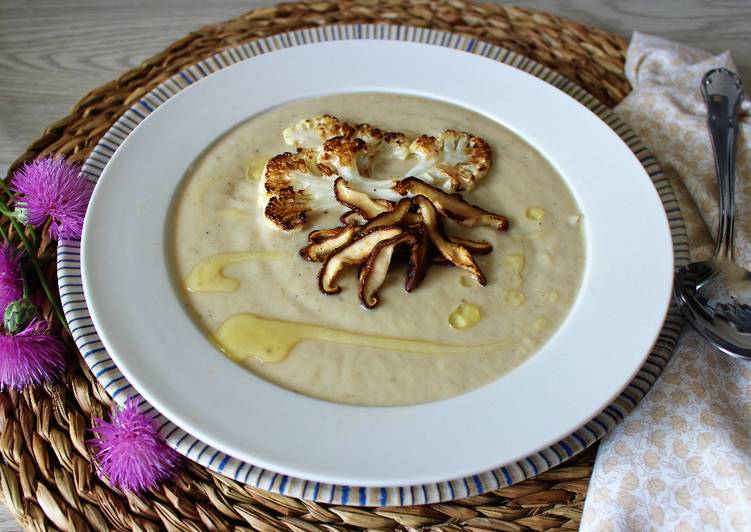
[{"x": 682, "y": 459}]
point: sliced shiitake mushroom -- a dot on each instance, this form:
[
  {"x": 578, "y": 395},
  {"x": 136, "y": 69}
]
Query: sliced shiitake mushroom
[
  {"x": 412, "y": 219},
  {"x": 476, "y": 247},
  {"x": 323, "y": 242},
  {"x": 438, "y": 260},
  {"x": 355, "y": 252},
  {"x": 373, "y": 272},
  {"x": 360, "y": 202},
  {"x": 456, "y": 253},
  {"x": 318, "y": 251},
  {"x": 452, "y": 205},
  {"x": 391, "y": 217},
  {"x": 352, "y": 218},
  {"x": 319, "y": 235},
  {"x": 418, "y": 260}
]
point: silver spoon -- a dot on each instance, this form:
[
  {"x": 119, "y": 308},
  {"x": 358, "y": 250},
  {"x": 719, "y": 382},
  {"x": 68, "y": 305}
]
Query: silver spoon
[{"x": 715, "y": 295}]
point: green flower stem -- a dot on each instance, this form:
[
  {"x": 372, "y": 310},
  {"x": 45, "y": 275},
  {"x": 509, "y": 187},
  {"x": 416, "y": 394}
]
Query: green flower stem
[
  {"x": 31, "y": 251},
  {"x": 12, "y": 214},
  {"x": 5, "y": 188}
]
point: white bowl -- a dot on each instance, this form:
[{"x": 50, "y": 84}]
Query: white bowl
[{"x": 140, "y": 318}]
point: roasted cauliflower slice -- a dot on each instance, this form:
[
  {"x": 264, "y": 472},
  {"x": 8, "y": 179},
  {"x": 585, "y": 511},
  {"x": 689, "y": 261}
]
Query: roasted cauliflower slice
[
  {"x": 350, "y": 158},
  {"x": 290, "y": 189},
  {"x": 313, "y": 132},
  {"x": 395, "y": 145},
  {"x": 453, "y": 161},
  {"x": 344, "y": 156},
  {"x": 338, "y": 148},
  {"x": 388, "y": 144}
]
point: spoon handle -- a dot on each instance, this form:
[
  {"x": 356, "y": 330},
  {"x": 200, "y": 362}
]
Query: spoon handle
[{"x": 723, "y": 93}]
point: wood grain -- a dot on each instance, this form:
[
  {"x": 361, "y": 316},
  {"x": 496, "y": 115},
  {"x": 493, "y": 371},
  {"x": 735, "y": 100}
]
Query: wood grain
[{"x": 53, "y": 52}]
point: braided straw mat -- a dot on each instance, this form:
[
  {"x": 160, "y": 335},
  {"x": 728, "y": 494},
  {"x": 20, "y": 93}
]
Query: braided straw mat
[{"x": 46, "y": 474}]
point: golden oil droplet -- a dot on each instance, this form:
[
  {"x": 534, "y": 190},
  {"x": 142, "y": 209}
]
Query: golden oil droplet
[
  {"x": 514, "y": 263},
  {"x": 552, "y": 296},
  {"x": 464, "y": 316},
  {"x": 515, "y": 297},
  {"x": 255, "y": 167},
  {"x": 535, "y": 213},
  {"x": 539, "y": 324},
  {"x": 467, "y": 281}
]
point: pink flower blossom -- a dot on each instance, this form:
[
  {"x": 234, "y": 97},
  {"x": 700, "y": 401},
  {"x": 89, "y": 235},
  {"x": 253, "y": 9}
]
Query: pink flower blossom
[
  {"x": 130, "y": 452},
  {"x": 30, "y": 357},
  {"x": 50, "y": 187},
  {"x": 11, "y": 280}
]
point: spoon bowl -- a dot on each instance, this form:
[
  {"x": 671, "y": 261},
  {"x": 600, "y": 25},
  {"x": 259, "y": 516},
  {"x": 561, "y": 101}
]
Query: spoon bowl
[{"x": 715, "y": 297}]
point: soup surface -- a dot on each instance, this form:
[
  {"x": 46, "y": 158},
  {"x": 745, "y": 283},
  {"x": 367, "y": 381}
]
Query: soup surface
[{"x": 249, "y": 289}]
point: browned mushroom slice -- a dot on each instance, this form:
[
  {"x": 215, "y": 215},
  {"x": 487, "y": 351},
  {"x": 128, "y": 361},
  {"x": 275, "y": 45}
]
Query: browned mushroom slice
[
  {"x": 373, "y": 272},
  {"x": 418, "y": 261},
  {"x": 390, "y": 217},
  {"x": 457, "y": 254},
  {"x": 359, "y": 201},
  {"x": 476, "y": 247},
  {"x": 352, "y": 218},
  {"x": 319, "y": 235},
  {"x": 355, "y": 252},
  {"x": 318, "y": 251},
  {"x": 400, "y": 212},
  {"x": 452, "y": 205},
  {"x": 412, "y": 219}
]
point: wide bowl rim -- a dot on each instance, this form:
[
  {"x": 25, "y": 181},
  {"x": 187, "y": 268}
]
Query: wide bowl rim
[{"x": 404, "y": 468}]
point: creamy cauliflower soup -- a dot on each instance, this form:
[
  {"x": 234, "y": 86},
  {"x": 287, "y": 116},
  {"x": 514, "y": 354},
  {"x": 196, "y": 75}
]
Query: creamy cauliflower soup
[{"x": 297, "y": 232}]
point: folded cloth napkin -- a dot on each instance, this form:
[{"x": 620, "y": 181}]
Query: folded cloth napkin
[{"x": 682, "y": 459}]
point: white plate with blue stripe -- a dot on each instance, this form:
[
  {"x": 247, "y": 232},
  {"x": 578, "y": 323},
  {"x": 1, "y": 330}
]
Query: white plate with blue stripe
[{"x": 129, "y": 322}]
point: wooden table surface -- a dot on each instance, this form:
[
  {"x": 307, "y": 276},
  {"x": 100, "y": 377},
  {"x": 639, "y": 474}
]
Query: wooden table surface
[{"x": 52, "y": 52}]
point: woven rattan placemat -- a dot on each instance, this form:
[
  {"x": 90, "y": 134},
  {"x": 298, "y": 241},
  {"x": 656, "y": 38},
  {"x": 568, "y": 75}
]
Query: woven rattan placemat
[{"x": 47, "y": 477}]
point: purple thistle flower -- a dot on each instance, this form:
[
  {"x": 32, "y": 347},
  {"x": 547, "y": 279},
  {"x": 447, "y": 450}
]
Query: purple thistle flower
[
  {"x": 50, "y": 187},
  {"x": 30, "y": 356},
  {"x": 130, "y": 452},
  {"x": 11, "y": 279}
]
